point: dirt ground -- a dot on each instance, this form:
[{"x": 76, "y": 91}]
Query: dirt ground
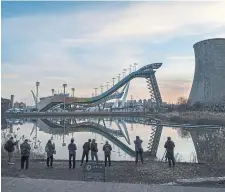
[{"x": 150, "y": 172}]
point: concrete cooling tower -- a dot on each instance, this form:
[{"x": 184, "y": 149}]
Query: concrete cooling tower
[{"x": 208, "y": 86}]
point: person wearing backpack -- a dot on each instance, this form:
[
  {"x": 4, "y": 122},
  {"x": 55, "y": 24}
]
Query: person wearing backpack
[
  {"x": 72, "y": 153},
  {"x": 25, "y": 153},
  {"x": 107, "y": 149},
  {"x": 50, "y": 150},
  {"x": 10, "y": 147},
  {"x": 138, "y": 149},
  {"x": 94, "y": 150}
]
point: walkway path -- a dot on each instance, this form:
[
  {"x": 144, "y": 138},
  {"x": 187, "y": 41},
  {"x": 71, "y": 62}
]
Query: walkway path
[
  {"x": 36, "y": 185},
  {"x": 121, "y": 172}
]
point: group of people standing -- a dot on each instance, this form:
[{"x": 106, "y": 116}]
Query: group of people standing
[
  {"x": 88, "y": 146},
  {"x": 51, "y": 150}
]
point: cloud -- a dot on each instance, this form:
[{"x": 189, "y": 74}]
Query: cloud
[
  {"x": 86, "y": 48},
  {"x": 10, "y": 76},
  {"x": 159, "y": 20}
]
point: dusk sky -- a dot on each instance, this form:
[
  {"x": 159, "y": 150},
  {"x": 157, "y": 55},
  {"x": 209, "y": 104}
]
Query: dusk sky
[{"x": 86, "y": 44}]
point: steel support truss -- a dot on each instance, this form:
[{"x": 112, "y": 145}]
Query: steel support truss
[
  {"x": 154, "y": 139},
  {"x": 155, "y": 95}
]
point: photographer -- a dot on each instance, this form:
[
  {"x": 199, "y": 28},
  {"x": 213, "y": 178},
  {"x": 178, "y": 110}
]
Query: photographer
[
  {"x": 10, "y": 148},
  {"x": 25, "y": 153}
]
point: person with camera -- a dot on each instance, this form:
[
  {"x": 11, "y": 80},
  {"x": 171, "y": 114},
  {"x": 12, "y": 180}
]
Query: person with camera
[
  {"x": 169, "y": 146},
  {"x": 50, "y": 150},
  {"x": 10, "y": 148},
  {"x": 25, "y": 153},
  {"x": 138, "y": 149}
]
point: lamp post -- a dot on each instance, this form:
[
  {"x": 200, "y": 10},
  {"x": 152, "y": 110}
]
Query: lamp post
[
  {"x": 131, "y": 97},
  {"x": 118, "y": 77},
  {"x": 64, "y": 96},
  {"x": 96, "y": 91},
  {"x": 53, "y": 91},
  {"x": 93, "y": 94},
  {"x": 37, "y": 85},
  {"x": 101, "y": 88},
  {"x": 135, "y": 64},
  {"x": 130, "y": 69},
  {"x": 73, "y": 89},
  {"x": 113, "y": 80},
  {"x": 64, "y": 131},
  {"x": 124, "y": 72},
  {"x": 35, "y": 142},
  {"x": 107, "y": 85}
]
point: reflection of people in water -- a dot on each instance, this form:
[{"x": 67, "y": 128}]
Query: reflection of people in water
[
  {"x": 94, "y": 150},
  {"x": 138, "y": 149},
  {"x": 169, "y": 145}
]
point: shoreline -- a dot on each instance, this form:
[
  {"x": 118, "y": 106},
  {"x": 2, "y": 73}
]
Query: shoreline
[
  {"x": 76, "y": 114},
  {"x": 197, "y": 118},
  {"x": 151, "y": 172}
]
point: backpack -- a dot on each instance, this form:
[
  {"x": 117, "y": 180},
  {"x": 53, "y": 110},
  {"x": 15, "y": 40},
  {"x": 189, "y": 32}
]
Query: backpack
[
  {"x": 107, "y": 150},
  {"x": 6, "y": 146}
]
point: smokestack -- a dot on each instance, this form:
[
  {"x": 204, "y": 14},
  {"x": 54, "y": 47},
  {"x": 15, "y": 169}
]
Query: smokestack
[{"x": 12, "y": 101}]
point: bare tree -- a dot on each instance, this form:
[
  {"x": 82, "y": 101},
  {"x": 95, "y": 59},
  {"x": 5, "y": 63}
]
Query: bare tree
[{"x": 182, "y": 104}]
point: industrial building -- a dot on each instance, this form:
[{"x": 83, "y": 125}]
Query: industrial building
[{"x": 208, "y": 85}]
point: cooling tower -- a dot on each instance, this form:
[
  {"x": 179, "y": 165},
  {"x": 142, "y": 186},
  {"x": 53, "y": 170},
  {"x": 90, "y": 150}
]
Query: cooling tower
[{"x": 208, "y": 85}]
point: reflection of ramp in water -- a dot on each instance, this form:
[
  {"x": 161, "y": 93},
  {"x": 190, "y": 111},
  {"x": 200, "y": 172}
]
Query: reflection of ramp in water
[
  {"x": 101, "y": 130},
  {"x": 125, "y": 129},
  {"x": 117, "y": 133}
]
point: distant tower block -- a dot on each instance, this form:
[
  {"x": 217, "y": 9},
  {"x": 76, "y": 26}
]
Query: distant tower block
[
  {"x": 208, "y": 86},
  {"x": 12, "y": 101}
]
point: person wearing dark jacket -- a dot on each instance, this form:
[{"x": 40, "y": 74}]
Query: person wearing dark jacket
[
  {"x": 25, "y": 153},
  {"x": 94, "y": 150},
  {"x": 107, "y": 149},
  {"x": 10, "y": 148},
  {"x": 86, "y": 149},
  {"x": 169, "y": 145},
  {"x": 72, "y": 153},
  {"x": 50, "y": 150},
  {"x": 138, "y": 149}
]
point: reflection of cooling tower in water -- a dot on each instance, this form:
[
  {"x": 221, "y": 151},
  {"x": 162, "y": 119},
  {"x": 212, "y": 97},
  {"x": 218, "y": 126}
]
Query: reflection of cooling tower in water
[{"x": 208, "y": 85}]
